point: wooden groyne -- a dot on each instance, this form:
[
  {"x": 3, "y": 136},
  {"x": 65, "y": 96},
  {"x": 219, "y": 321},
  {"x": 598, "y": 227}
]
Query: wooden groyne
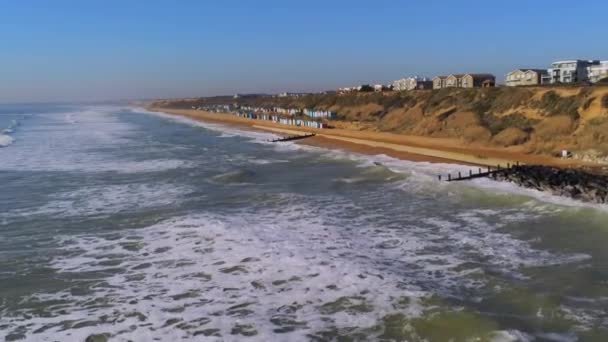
[
  {"x": 478, "y": 173},
  {"x": 573, "y": 183},
  {"x": 293, "y": 137}
]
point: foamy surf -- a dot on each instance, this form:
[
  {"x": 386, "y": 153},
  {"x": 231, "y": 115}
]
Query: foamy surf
[
  {"x": 263, "y": 278},
  {"x": 71, "y": 139},
  {"x": 5, "y": 140},
  {"x": 307, "y": 268}
]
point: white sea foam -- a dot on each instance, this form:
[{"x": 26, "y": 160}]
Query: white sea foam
[
  {"x": 5, "y": 140},
  {"x": 423, "y": 177},
  {"x": 300, "y": 267},
  {"x": 511, "y": 336},
  {"x": 225, "y": 131},
  {"x": 103, "y": 200},
  {"x": 75, "y": 141}
]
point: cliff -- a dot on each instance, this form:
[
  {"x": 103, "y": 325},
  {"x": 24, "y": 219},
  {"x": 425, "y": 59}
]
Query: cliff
[{"x": 540, "y": 120}]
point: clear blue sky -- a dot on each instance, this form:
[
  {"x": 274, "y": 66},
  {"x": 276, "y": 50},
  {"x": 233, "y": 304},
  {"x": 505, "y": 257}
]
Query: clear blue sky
[{"x": 90, "y": 49}]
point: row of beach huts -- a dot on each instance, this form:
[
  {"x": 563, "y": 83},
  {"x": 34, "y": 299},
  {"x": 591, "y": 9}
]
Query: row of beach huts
[
  {"x": 283, "y": 120},
  {"x": 311, "y": 118}
]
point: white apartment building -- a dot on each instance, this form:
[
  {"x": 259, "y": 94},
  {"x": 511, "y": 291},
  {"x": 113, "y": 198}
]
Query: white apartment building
[
  {"x": 568, "y": 71},
  {"x": 411, "y": 83},
  {"x": 597, "y": 72}
]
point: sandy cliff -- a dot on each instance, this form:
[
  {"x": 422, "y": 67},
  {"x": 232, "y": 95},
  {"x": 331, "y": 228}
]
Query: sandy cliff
[{"x": 536, "y": 120}]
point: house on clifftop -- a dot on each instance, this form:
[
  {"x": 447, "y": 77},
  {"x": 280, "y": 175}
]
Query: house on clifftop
[
  {"x": 464, "y": 81},
  {"x": 412, "y": 83},
  {"x": 439, "y": 82},
  {"x": 478, "y": 81},
  {"x": 525, "y": 77}
]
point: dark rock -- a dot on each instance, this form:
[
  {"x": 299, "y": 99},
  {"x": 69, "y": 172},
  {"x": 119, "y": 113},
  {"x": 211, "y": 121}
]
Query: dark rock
[
  {"x": 573, "y": 183},
  {"x": 97, "y": 338}
]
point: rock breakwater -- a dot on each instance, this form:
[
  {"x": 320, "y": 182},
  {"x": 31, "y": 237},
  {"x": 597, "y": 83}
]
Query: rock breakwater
[{"x": 577, "y": 184}]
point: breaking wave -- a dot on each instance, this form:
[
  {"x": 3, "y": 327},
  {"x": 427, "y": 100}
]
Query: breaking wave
[{"x": 5, "y": 140}]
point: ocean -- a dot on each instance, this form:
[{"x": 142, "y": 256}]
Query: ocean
[{"x": 123, "y": 225}]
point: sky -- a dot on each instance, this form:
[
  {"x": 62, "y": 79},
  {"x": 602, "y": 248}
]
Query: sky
[{"x": 93, "y": 50}]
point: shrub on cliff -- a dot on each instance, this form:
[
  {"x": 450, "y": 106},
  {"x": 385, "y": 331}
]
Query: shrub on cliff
[
  {"x": 497, "y": 124},
  {"x": 510, "y": 97},
  {"x": 366, "y": 88},
  {"x": 605, "y": 101},
  {"x": 440, "y": 99},
  {"x": 553, "y": 104}
]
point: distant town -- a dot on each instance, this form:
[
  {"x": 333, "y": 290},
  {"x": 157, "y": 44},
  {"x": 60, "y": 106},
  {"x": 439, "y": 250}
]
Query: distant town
[
  {"x": 560, "y": 72},
  {"x": 566, "y": 72}
]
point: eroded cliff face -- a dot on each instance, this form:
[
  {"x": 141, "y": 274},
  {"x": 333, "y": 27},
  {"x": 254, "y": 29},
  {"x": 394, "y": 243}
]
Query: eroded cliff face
[{"x": 534, "y": 120}]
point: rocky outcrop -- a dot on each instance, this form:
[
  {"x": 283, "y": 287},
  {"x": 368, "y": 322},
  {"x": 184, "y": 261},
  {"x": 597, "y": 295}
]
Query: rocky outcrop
[{"x": 573, "y": 183}]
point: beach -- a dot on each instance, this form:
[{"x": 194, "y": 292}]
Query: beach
[{"x": 405, "y": 147}]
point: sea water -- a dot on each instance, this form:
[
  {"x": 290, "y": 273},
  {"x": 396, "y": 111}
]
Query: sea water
[{"x": 124, "y": 225}]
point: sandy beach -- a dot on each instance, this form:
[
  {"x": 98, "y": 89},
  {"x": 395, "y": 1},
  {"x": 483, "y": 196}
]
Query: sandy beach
[{"x": 414, "y": 148}]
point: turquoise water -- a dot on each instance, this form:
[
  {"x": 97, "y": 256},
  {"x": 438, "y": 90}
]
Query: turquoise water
[{"x": 121, "y": 223}]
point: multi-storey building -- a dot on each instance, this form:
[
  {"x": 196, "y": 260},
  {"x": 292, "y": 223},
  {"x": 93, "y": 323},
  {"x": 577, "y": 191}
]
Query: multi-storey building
[
  {"x": 569, "y": 71},
  {"x": 412, "y": 83},
  {"x": 597, "y": 72}
]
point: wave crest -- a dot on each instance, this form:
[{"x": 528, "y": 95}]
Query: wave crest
[{"x": 6, "y": 140}]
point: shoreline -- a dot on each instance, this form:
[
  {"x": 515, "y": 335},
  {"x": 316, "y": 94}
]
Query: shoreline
[{"x": 411, "y": 148}]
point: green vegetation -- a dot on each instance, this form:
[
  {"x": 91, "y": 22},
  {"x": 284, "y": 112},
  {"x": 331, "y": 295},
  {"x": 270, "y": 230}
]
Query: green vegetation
[
  {"x": 497, "y": 124},
  {"x": 553, "y": 104},
  {"x": 588, "y": 102}
]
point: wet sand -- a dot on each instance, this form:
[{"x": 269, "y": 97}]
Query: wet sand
[{"x": 414, "y": 148}]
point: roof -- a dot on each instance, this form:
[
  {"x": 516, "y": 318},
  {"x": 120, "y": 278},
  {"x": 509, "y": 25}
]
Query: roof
[
  {"x": 591, "y": 61},
  {"x": 481, "y": 75},
  {"x": 458, "y": 75},
  {"x": 440, "y": 77},
  {"x": 540, "y": 71}
]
